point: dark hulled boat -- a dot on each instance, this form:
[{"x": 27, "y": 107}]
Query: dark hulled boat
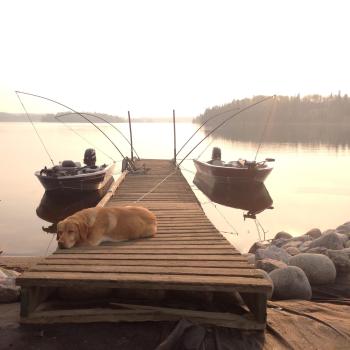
[
  {"x": 234, "y": 171},
  {"x": 70, "y": 176}
]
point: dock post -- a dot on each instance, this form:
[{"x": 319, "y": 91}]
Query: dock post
[
  {"x": 132, "y": 150},
  {"x": 174, "y": 136}
]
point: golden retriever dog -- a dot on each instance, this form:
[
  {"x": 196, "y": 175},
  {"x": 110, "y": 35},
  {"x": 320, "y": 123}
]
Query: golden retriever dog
[{"x": 93, "y": 225}]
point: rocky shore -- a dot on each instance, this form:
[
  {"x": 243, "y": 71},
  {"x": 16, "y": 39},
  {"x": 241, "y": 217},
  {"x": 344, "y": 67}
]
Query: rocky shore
[{"x": 296, "y": 264}]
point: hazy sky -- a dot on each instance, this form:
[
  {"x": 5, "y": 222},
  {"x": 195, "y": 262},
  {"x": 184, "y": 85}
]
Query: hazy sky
[{"x": 152, "y": 56}]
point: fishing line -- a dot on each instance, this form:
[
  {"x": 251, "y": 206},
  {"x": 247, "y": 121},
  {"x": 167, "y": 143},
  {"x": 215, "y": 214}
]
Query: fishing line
[
  {"x": 257, "y": 228},
  {"x": 106, "y": 121},
  {"x": 262, "y": 228},
  {"x": 65, "y": 106},
  {"x": 272, "y": 111},
  {"x": 86, "y": 140},
  {"x": 223, "y": 216},
  {"x": 212, "y": 140},
  {"x": 47, "y": 249},
  {"x": 225, "y": 121},
  {"x": 36, "y": 131},
  {"x": 155, "y": 187},
  {"x": 209, "y": 119}
]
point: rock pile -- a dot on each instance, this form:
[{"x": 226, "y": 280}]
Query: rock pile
[
  {"x": 9, "y": 292},
  {"x": 294, "y": 264}
]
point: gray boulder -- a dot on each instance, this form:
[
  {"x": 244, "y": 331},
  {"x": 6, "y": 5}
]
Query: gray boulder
[
  {"x": 317, "y": 250},
  {"x": 269, "y": 265},
  {"x": 293, "y": 243},
  {"x": 345, "y": 228},
  {"x": 284, "y": 235},
  {"x": 280, "y": 241},
  {"x": 290, "y": 283},
  {"x": 347, "y": 244},
  {"x": 292, "y": 251},
  {"x": 272, "y": 252},
  {"x": 305, "y": 246},
  {"x": 318, "y": 268},
  {"x": 314, "y": 233},
  {"x": 258, "y": 245},
  {"x": 341, "y": 259},
  {"x": 344, "y": 238},
  {"x": 267, "y": 276},
  {"x": 9, "y": 292},
  {"x": 303, "y": 238},
  {"x": 250, "y": 258},
  {"x": 330, "y": 239}
]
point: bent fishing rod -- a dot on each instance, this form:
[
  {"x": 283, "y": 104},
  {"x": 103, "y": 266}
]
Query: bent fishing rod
[
  {"x": 225, "y": 121},
  {"x": 36, "y": 131},
  {"x": 71, "y": 109},
  {"x": 106, "y": 121},
  {"x": 209, "y": 119},
  {"x": 82, "y": 137}
]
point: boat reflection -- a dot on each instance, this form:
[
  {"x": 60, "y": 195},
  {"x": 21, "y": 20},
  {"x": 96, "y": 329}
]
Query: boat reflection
[
  {"x": 251, "y": 197},
  {"x": 56, "y": 206}
]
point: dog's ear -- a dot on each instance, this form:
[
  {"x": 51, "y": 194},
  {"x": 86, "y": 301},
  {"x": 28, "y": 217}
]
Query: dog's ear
[{"x": 83, "y": 230}]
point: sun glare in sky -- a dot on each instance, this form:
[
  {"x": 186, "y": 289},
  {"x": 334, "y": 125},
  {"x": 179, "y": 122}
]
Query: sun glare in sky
[{"x": 152, "y": 56}]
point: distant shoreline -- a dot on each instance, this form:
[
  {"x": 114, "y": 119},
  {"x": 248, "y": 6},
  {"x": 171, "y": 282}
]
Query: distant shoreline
[{"x": 50, "y": 118}]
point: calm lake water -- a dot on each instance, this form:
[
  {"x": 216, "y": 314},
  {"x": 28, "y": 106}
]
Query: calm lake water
[{"x": 309, "y": 185}]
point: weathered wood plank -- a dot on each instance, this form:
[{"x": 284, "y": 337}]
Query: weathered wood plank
[
  {"x": 153, "y": 250},
  {"x": 152, "y": 270},
  {"x": 134, "y": 251},
  {"x": 147, "y": 281},
  {"x": 159, "y": 263},
  {"x": 130, "y": 315},
  {"x": 157, "y": 247},
  {"x": 154, "y": 256}
]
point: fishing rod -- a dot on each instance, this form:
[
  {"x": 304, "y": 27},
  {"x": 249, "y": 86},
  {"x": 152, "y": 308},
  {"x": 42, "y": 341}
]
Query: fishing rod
[
  {"x": 65, "y": 106},
  {"x": 36, "y": 131},
  {"x": 209, "y": 119},
  {"x": 225, "y": 121},
  {"x": 272, "y": 111},
  {"x": 106, "y": 121},
  {"x": 85, "y": 139}
]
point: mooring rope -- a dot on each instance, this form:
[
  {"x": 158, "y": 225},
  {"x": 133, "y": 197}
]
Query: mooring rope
[{"x": 47, "y": 249}]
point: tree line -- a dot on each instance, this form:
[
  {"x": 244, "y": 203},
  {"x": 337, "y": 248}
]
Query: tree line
[
  {"x": 284, "y": 109},
  {"x": 286, "y": 119}
]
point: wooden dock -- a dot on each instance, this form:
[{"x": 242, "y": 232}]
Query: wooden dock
[{"x": 188, "y": 259}]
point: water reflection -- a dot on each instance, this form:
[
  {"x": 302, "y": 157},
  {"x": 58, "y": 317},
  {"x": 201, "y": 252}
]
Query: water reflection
[
  {"x": 251, "y": 197},
  {"x": 56, "y": 206}
]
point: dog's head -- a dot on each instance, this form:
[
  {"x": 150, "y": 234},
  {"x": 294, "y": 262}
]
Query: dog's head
[{"x": 71, "y": 232}]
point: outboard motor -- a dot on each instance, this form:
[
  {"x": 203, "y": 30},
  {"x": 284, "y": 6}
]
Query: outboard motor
[
  {"x": 216, "y": 153},
  {"x": 90, "y": 157}
]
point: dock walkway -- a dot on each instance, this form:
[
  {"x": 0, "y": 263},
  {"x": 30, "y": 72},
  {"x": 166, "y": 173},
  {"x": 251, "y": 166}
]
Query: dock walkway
[{"x": 188, "y": 255}]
